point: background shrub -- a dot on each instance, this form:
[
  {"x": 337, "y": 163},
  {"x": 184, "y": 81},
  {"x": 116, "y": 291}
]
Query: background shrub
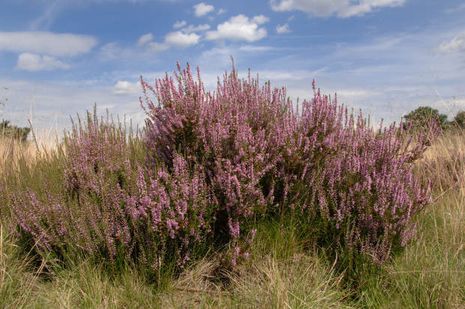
[
  {"x": 459, "y": 120},
  {"x": 12, "y": 131},
  {"x": 423, "y": 117}
]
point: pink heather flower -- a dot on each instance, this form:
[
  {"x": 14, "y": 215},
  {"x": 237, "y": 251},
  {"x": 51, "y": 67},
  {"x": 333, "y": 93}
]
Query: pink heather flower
[
  {"x": 172, "y": 226},
  {"x": 215, "y": 163},
  {"x": 234, "y": 228}
]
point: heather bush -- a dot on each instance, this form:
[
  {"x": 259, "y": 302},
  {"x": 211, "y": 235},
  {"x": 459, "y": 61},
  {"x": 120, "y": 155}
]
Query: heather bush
[
  {"x": 211, "y": 164},
  {"x": 109, "y": 206},
  {"x": 236, "y": 134},
  {"x": 359, "y": 184},
  {"x": 264, "y": 156}
]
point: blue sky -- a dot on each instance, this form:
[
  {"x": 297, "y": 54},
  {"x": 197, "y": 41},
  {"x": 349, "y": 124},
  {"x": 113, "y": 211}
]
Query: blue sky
[{"x": 58, "y": 58}]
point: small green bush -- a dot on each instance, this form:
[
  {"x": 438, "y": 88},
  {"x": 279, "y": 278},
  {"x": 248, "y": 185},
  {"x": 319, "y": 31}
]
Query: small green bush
[
  {"x": 423, "y": 117},
  {"x": 459, "y": 120}
]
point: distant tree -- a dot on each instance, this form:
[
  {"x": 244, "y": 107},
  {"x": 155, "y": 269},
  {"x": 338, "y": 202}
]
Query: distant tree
[
  {"x": 12, "y": 131},
  {"x": 424, "y": 116},
  {"x": 459, "y": 120}
]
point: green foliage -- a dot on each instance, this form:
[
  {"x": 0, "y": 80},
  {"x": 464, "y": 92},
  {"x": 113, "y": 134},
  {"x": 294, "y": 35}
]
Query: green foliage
[
  {"x": 12, "y": 131},
  {"x": 425, "y": 116},
  {"x": 459, "y": 120}
]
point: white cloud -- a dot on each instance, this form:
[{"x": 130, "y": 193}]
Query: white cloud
[
  {"x": 279, "y": 76},
  {"x": 198, "y": 28},
  {"x": 240, "y": 28},
  {"x": 454, "y": 45},
  {"x": 202, "y": 9},
  {"x": 355, "y": 94},
  {"x": 340, "y": 8},
  {"x": 33, "y": 62},
  {"x": 179, "y": 24},
  {"x": 126, "y": 87},
  {"x": 157, "y": 47},
  {"x": 181, "y": 39},
  {"x": 144, "y": 39},
  {"x": 255, "y": 48},
  {"x": 260, "y": 19},
  {"x": 112, "y": 51},
  {"x": 280, "y": 29},
  {"x": 48, "y": 16},
  {"x": 54, "y": 44}
]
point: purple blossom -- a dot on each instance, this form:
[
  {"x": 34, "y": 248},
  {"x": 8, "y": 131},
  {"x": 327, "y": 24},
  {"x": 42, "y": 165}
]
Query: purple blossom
[{"x": 216, "y": 162}]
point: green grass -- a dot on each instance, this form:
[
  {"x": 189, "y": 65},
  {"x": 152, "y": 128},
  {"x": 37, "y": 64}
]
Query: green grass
[{"x": 271, "y": 279}]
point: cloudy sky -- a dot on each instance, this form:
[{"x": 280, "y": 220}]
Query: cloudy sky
[{"x": 59, "y": 57}]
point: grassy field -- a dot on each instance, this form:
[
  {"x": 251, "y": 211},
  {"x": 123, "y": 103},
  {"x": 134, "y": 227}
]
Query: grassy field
[{"x": 283, "y": 271}]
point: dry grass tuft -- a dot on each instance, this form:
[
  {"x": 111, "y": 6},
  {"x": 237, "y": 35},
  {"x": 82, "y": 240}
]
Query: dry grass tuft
[
  {"x": 12, "y": 150},
  {"x": 301, "y": 281},
  {"x": 444, "y": 162},
  {"x": 16, "y": 283}
]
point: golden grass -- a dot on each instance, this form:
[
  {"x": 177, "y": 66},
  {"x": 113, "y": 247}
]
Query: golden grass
[
  {"x": 16, "y": 283},
  {"x": 11, "y": 150},
  {"x": 300, "y": 281},
  {"x": 444, "y": 162},
  {"x": 82, "y": 286}
]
